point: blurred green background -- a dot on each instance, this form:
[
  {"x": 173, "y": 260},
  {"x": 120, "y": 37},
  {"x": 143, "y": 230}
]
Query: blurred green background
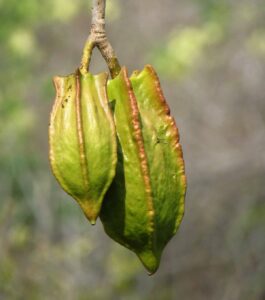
[{"x": 210, "y": 56}]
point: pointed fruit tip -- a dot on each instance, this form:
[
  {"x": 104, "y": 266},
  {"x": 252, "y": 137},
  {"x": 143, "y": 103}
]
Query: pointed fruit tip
[
  {"x": 90, "y": 212},
  {"x": 91, "y": 218},
  {"x": 150, "y": 261},
  {"x": 93, "y": 222}
]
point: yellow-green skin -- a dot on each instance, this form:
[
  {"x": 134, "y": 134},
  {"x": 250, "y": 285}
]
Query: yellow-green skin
[
  {"x": 83, "y": 148},
  {"x": 145, "y": 204}
]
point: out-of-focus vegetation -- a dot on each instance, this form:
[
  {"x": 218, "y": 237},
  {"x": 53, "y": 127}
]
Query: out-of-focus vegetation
[{"x": 210, "y": 56}]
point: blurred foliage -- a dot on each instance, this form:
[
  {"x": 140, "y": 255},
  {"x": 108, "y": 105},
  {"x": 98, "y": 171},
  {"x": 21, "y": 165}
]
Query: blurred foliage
[
  {"x": 256, "y": 42},
  {"x": 47, "y": 249},
  {"x": 185, "y": 48},
  {"x": 112, "y": 10}
]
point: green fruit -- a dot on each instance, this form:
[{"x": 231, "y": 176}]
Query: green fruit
[
  {"x": 145, "y": 203},
  {"x": 83, "y": 150}
]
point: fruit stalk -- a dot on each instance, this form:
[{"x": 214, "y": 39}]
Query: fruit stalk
[{"x": 98, "y": 38}]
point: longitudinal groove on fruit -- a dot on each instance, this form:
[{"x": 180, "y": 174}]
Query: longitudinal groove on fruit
[
  {"x": 142, "y": 156},
  {"x": 80, "y": 134}
]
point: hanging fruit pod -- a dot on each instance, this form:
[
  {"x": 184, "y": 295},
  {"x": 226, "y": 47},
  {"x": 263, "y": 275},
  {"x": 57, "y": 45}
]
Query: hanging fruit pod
[
  {"x": 145, "y": 203},
  {"x": 83, "y": 151}
]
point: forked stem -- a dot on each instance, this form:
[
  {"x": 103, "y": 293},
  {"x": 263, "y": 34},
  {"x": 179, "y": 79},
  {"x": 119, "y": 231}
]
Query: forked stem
[{"x": 98, "y": 38}]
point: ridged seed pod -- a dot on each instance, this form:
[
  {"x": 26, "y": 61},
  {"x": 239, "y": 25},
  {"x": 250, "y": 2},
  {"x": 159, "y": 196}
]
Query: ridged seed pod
[
  {"x": 83, "y": 150},
  {"x": 145, "y": 203}
]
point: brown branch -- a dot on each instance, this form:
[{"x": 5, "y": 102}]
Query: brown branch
[{"x": 98, "y": 38}]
